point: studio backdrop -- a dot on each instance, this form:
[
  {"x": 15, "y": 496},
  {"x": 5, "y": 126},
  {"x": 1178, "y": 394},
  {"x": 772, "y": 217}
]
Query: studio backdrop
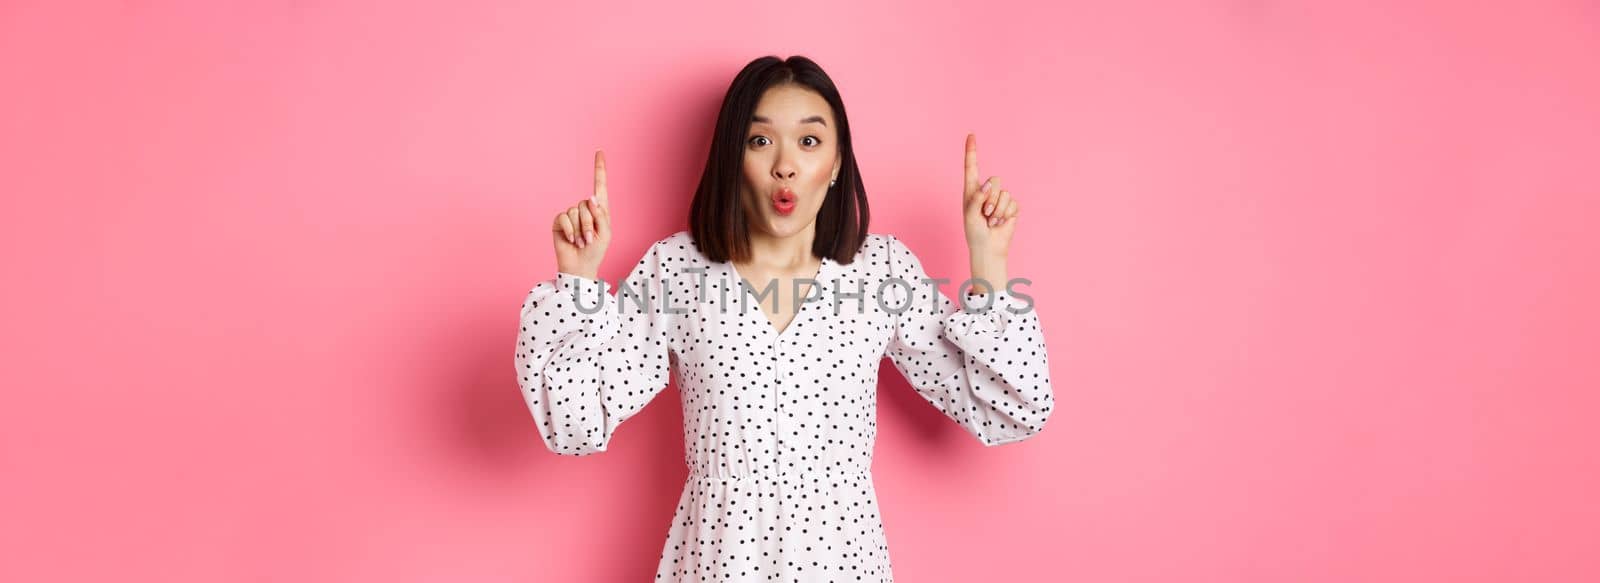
[{"x": 1318, "y": 282}]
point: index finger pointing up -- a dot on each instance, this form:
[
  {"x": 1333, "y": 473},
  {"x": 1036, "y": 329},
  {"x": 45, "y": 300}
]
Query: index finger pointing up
[
  {"x": 600, "y": 180},
  {"x": 972, "y": 163}
]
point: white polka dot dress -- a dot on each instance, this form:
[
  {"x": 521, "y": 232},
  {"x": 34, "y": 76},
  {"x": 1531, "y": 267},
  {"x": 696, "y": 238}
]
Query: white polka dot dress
[{"x": 778, "y": 426}]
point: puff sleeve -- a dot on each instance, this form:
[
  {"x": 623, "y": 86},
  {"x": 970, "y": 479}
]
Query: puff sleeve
[
  {"x": 984, "y": 368},
  {"x": 588, "y": 359}
]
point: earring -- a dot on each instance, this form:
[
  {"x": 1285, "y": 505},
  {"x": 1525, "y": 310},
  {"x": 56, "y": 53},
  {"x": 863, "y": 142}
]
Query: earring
[{"x": 830, "y": 182}]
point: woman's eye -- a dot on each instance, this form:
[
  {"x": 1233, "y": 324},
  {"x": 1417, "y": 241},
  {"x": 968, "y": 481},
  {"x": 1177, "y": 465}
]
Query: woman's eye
[
  {"x": 813, "y": 139},
  {"x": 753, "y": 141}
]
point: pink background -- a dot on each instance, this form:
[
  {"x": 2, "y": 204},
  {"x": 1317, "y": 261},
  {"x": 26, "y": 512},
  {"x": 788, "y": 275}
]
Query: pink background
[{"x": 1319, "y": 281}]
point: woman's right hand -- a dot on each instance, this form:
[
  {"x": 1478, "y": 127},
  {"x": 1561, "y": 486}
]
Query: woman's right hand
[{"x": 582, "y": 232}]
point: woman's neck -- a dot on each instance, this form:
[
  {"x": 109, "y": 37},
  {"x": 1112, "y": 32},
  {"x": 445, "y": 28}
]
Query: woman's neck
[{"x": 789, "y": 253}]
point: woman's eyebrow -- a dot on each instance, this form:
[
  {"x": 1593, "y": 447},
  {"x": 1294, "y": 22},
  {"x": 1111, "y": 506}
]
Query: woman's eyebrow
[{"x": 814, "y": 118}]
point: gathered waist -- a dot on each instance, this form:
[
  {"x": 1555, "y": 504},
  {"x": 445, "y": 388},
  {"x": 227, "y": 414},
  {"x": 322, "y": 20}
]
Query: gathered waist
[{"x": 721, "y": 474}]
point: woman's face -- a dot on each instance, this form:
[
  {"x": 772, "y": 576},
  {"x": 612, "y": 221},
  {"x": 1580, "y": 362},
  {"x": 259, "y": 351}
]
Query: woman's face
[{"x": 790, "y": 154}]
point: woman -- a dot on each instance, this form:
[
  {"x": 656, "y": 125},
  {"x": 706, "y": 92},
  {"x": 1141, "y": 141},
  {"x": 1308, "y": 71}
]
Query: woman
[{"x": 779, "y": 395}]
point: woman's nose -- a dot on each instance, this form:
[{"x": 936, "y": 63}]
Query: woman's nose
[{"x": 783, "y": 173}]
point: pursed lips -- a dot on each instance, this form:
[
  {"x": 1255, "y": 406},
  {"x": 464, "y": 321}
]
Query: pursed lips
[{"x": 784, "y": 200}]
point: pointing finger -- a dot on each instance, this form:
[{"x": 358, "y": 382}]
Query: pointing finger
[
  {"x": 602, "y": 219},
  {"x": 972, "y": 164},
  {"x": 600, "y": 179}
]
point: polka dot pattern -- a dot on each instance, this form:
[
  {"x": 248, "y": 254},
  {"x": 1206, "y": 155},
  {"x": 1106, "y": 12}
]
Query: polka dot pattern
[{"x": 779, "y": 425}]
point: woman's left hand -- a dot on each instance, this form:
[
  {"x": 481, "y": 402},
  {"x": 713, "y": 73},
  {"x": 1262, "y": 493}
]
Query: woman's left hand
[{"x": 991, "y": 219}]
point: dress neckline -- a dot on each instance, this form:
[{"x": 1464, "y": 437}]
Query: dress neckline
[{"x": 803, "y": 311}]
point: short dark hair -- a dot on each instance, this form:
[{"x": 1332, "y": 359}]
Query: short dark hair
[{"x": 717, "y": 220}]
